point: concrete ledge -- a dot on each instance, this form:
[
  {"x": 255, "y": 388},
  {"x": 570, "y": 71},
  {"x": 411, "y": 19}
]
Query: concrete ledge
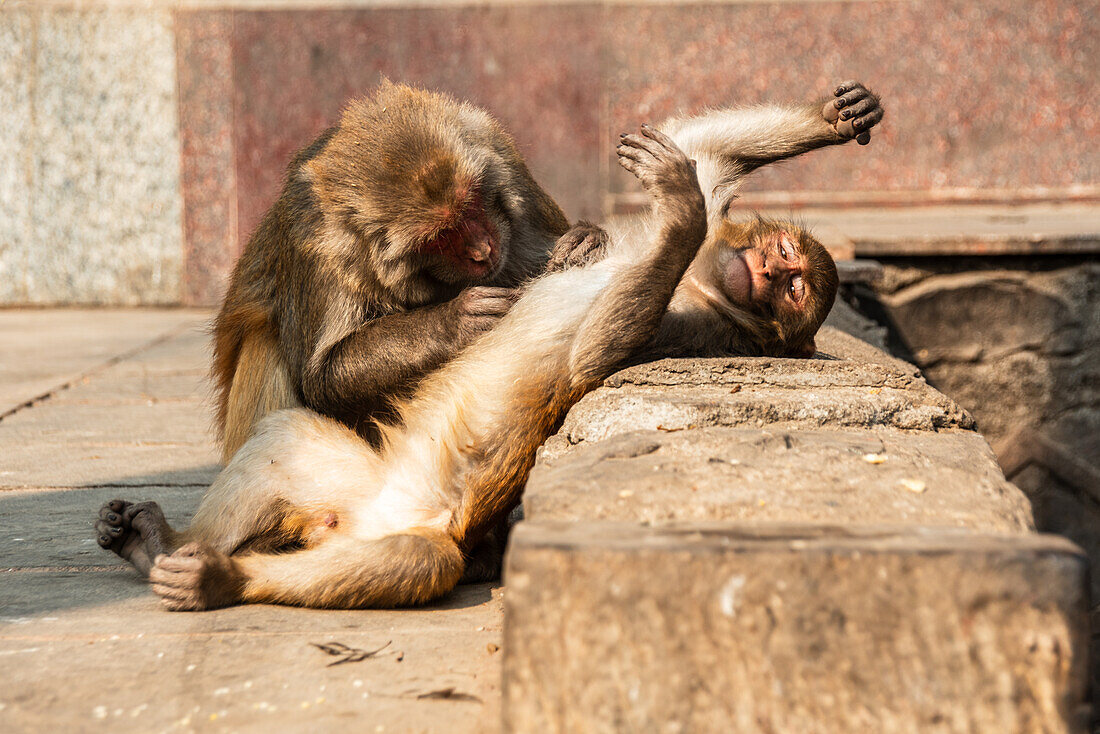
[
  {"x": 843, "y": 477},
  {"x": 714, "y": 627},
  {"x": 678, "y": 394}
]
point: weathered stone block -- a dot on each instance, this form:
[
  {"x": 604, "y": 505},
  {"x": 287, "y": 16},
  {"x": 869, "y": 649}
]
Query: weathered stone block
[
  {"x": 1013, "y": 312},
  {"x": 821, "y": 476},
  {"x": 704, "y": 627},
  {"x": 676, "y": 394}
]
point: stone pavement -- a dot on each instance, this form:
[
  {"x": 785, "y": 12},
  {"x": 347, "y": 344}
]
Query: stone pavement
[{"x": 105, "y": 403}]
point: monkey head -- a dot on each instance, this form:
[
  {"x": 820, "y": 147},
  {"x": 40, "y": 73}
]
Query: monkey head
[
  {"x": 422, "y": 184},
  {"x": 772, "y": 279}
]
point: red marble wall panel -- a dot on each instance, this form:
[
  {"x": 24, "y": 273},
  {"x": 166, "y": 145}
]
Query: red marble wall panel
[
  {"x": 998, "y": 94},
  {"x": 204, "y": 55},
  {"x": 534, "y": 68},
  {"x": 993, "y": 95}
]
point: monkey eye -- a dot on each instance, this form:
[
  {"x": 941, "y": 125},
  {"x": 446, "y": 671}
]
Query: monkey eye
[
  {"x": 796, "y": 288},
  {"x": 783, "y": 251}
]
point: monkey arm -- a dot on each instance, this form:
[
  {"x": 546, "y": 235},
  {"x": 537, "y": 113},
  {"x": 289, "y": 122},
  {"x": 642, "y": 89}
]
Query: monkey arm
[
  {"x": 754, "y": 136},
  {"x": 732, "y": 143},
  {"x": 357, "y": 376}
]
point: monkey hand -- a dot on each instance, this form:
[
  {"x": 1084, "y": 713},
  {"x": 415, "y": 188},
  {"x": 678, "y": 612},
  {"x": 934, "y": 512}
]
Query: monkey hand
[
  {"x": 854, "y": 112},
  {"x": 584, "y": 243},
  {"x": 664, "y": 170},
  {"x": 477, "y": 309}
]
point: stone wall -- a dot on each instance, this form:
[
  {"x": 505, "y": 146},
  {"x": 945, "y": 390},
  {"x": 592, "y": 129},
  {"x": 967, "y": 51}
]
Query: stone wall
[
  {"x": 761, "y": 545},
  {"x": 143, "y": 139},
  {"x": 1016, "y": 340}
]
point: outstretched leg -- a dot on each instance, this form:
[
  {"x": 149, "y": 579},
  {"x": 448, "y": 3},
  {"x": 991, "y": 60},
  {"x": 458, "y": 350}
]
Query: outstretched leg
[{"x": 343, "y": 572}]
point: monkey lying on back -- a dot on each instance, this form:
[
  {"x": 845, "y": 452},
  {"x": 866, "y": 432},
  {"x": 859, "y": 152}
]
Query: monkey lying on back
[
  {"x": 351, "y": 288},
  {"x": 308, "y": 513}
]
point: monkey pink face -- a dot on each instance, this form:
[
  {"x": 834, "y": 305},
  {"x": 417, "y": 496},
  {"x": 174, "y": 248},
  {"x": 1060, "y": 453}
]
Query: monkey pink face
[
  {"x": 768, "y": 277},
  {"x": 470, "y": 249}
]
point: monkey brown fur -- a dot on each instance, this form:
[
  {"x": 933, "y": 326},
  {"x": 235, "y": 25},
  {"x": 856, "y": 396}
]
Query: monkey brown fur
[
  {"x": 308, "y": 513},
  {"x": 351, "y": 288}
]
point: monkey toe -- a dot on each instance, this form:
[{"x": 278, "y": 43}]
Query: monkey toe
[
  {"x": 109, "y": 537},
  {"x": 112, "y": 528}
]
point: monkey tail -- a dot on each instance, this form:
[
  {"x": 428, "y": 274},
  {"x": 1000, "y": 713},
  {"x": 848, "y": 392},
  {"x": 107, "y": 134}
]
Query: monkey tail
[{"x": 344, "y": 572}]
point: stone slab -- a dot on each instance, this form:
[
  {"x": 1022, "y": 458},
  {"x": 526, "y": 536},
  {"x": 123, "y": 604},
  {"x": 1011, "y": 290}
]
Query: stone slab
[
  {"x": 678, "y": 394},
  {"x": 127, "y": 444},
  {"x": 817, "y": 476},
  {"x": 100, "y": 220},
  {"x": 713, "y": 627},
  {"x": 92, "y": 651},
  {"x": 44, "y": 350}
]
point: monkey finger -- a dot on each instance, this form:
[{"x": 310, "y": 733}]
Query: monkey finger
[
  {"x": 664, "y": 140},
  {"x": 114, "y": 518},
  {"x": 869, "y": 120},
  {"x": 117, "y": 505},
  {"x": 643, "y": 143},
  {"x": 491, "y": 291},
  {"x": 629, "y": 164},
  {"x": 178, "y": 593},
  {"x": 176, "y": 563},
  {"x": 631, "y": 153},
  {"x": 863, "y": 138},
  {"x": 103, "y": 527},
  {"x": 830, "y": 112},
  {"x": 845, "y": 87},
  {"x": 859, "y": 107},
  {"x": 850, "y": 98}
]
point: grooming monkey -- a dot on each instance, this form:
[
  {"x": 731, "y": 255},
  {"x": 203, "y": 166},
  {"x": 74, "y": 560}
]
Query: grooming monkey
[
  {"x": 399, "y": 236},
  {"x": 307, "y": 513}
]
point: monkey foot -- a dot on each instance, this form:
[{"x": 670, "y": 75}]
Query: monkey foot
[
  {"x": 195, "y": 578},
  {"x": 854, "y": 111},
  {"x": 136, "y": 532}
]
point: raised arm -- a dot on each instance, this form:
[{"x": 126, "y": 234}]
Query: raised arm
[{"x": 729, "y": 144}]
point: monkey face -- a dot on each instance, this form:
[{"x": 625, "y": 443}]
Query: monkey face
[
  {"x": 767, "y": 276},
  {"x": 468, "y": 251},
  {"x": 772, "y": 279}
]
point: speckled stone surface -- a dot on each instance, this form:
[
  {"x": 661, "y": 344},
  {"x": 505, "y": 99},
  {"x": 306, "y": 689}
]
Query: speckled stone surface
[
  {"x": 999, "y": 94},
  {"x": 295, "y": 70},
  {"x": 16, "y": 136},
  {"x": 204, "y": 43},
  {"x": 102, "y": 190}
]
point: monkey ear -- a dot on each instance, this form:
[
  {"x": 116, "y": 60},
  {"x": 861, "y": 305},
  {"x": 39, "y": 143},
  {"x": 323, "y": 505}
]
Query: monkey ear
[{"x": 805, "y": 350}]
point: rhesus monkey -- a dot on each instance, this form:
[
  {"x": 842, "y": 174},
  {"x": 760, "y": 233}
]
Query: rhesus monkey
[
  {"x": 399, "y": 236},
  {"x": 307, "y": 513}
]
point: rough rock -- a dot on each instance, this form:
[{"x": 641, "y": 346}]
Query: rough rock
[
  {"x": 842, "y": 477},
  {"x": 678, "y": 394},
  {"x": 716, "y": 627}
]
